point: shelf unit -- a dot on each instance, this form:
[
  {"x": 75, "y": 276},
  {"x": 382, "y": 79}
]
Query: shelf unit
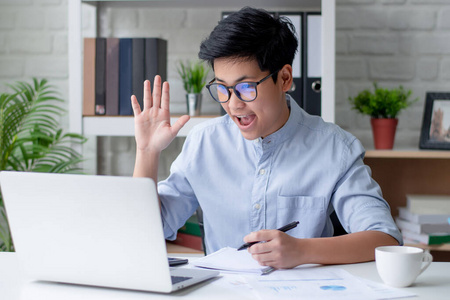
[
  {"x": 123, "y": 126},
  {"x": 412, "y": 171}
]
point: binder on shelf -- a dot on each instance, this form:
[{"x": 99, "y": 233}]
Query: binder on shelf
[
  {"x": 296, "y": 92},
  {"x": 112, "y": 77},
  {"x": 312, "y": 63},
  {"x": 138, "y": 63},
  {"x": 155, "y": 58},
  {"x": 100, "y": 67},
  {"x": 125, "y": 76},
  {"x": 89, "y": 77}
]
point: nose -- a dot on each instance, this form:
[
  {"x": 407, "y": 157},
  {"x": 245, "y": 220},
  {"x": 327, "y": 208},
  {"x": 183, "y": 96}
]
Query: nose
[{"x": 235, "y": 103}]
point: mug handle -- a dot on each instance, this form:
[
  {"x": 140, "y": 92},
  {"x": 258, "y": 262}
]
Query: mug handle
[{"x": 427, "y": 259}]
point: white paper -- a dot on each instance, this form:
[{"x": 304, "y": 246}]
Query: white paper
[{"x": 229, "y": 259}]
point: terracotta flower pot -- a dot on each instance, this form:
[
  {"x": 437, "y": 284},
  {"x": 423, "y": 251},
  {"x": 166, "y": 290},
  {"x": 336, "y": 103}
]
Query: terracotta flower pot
[{"x": 383, "y": 132}]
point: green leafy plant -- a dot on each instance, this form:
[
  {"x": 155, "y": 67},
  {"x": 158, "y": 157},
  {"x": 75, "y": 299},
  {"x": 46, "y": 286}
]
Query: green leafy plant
[
  {"x": 31, "y": 140},
  {"x": 382, "y": 103},
  {"x": 193, "y": 75}
]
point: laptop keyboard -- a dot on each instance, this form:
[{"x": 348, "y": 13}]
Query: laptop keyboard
[{"x": 177, "y": 279}]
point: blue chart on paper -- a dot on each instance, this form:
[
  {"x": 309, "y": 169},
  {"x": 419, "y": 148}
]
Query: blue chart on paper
[{"x": 333, "y": 288}]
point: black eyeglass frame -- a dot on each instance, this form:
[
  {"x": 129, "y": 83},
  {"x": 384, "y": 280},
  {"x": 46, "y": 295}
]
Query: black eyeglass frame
[{"x": 233, "y": 87}]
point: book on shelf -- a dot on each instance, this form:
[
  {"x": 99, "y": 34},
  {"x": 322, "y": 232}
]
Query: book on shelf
[
  {"x": 100, "y": 70},
  {"x": 422, "y": 228},
  {"x": 125, "y": 76},
  {"x": 155, "y": 58},
  {"x": 115, "y": 69},
  {"x": 189, "y": 240},
  {"x": 138, "y": 63},
  {"x": 428, "y": 204},
  {"x": 420, "y": 218},
  {"x": 189, "y": 235},
  {"x": 112, "y": 76},
  {"x": 191, "y": 226},
  {"x": 89, "y": 77},
  {"x": 427, "y": 239}
]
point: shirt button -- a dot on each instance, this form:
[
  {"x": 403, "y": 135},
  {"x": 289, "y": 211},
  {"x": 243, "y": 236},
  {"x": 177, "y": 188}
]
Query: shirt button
[
  {"x": 257, "y": 206},
  {"x": 262, "y": 172}
]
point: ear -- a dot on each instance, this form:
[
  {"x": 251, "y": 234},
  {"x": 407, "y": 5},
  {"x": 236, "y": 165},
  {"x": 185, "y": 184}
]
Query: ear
[{"x": 285, "y": 75}]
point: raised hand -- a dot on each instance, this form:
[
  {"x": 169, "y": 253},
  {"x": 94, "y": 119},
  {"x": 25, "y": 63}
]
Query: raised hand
[{"x": 153, "y": 131}]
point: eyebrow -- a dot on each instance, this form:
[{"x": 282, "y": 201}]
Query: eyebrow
[{"x": 239, "y": 79}]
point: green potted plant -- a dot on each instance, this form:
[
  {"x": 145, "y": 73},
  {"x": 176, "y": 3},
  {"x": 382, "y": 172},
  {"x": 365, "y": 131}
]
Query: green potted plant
[
  {"x": 193, "y": 75},
  {"x": 383, "y": 106},
  {"x": 31, "y": 140}
]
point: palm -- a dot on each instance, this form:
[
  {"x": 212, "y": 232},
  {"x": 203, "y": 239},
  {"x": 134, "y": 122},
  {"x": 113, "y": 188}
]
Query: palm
[{"x": 153, "y": 130}]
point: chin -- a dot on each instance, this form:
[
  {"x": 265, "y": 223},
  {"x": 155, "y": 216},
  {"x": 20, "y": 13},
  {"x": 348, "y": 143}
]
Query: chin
[{"x": 250, "y": 136}]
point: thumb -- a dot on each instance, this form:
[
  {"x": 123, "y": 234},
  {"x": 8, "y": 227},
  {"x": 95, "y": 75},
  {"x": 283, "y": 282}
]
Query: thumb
[{"x": 179, "y": 124}]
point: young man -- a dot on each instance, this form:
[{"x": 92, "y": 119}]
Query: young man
[{"x": 267, "y": 162}]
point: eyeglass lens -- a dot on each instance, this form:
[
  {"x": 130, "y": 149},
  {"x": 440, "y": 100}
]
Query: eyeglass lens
[{"x": 245, "y": 91}]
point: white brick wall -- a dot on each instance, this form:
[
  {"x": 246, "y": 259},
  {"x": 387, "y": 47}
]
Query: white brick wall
[
  {"x": 403, "y": 42},
  {"x": 393, "y": 42}
]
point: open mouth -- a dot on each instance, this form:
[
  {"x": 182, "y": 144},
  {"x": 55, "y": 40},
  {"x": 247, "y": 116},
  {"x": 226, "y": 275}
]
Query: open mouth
[{"x": 246, "y": 120}]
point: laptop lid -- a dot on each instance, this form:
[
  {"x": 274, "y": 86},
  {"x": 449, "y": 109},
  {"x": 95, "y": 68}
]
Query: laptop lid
[{"x": 94, "y": 230}]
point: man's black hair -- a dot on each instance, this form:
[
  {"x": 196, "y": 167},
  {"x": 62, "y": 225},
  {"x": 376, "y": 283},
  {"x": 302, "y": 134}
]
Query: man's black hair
[{"x": 252, "y": 33}]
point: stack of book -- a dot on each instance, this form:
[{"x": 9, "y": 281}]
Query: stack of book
[
  {"x": 190, "y": 234},
  {"x": 425, "y": 219},
  {"x": 115, "y": 68}
]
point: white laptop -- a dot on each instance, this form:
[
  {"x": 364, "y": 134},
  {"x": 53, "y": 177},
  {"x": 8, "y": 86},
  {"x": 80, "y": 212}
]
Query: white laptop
[{"x": 93, "y": 230}]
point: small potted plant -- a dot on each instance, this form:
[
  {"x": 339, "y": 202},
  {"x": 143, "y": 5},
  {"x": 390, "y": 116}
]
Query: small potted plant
[
  {"x": 193, "y": 75},
  {"x": 383, "y": 106}
]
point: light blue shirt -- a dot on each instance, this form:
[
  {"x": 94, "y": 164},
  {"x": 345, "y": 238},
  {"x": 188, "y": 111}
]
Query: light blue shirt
[{"x": 302, "y": 172}]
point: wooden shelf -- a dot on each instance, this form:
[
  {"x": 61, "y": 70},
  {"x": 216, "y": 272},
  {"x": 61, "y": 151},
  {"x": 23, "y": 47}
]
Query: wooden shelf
[
  {"x": 409, "y": 172},
  {"x": 408, "y": 153},
  {"x": 124, "y": 125},
  {"x": 439, "y": 252}
]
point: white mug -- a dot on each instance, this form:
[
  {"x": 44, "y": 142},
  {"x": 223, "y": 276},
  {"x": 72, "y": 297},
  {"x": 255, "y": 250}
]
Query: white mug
[{"x": 399, "y": 266}]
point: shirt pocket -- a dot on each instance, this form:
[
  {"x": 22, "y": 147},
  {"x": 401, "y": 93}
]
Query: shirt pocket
[{"x": 309, "y": 211}]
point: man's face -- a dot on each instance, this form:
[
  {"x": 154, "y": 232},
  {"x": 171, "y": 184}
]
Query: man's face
[{"x": 268, "y": 112}]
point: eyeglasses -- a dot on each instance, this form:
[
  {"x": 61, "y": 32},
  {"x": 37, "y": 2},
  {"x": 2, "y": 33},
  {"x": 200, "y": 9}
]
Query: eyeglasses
[{"x": 245, "y": 91}]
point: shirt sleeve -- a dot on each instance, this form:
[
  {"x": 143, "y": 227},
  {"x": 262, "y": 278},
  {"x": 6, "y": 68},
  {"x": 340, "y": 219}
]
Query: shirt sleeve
[
  {"x": 357, "y": 198},
  {"x": 178, "y": 201}
]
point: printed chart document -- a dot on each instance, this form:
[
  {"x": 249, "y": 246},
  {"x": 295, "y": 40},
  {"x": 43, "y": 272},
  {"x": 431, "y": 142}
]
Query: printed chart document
[
  {"x": 319, "y": 282},
  {"x": 302, "y": 282}
]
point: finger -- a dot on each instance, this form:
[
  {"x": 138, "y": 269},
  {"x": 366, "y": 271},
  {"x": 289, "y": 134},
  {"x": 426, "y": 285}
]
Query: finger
[
  {"x": 165, "y": 96},
  {"x": 179, "y": 124},
  {"x": 263, "y": 259},
  {"x": 157, "y": 91},
  {"x": 135, "y": 105},
  {"x": 147, "y": 94},
  {"x": 257, "y": 236},
  {"x": 259, "y": 248}
]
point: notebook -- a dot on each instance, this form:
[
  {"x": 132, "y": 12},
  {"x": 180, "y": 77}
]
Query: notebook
[{"x": 91, "y": 230}]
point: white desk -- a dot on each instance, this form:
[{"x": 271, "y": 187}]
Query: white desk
[{"x": 434, "y": 284}]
